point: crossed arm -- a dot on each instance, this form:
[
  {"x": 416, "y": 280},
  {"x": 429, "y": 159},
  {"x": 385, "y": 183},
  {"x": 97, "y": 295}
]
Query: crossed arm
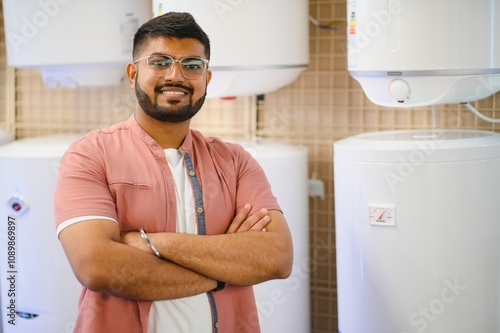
[{"x": 256, "y": 248}]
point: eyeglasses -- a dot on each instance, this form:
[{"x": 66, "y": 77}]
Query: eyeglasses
[{"x": 161, "y": 65}]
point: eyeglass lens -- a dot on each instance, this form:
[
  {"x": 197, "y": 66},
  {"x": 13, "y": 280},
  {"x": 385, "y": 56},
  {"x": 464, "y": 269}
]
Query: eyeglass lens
[{"x": 191, "y": 67}]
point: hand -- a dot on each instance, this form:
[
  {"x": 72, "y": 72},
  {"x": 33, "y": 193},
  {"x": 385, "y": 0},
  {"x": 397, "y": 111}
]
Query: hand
[{"x": 245, "y": 222}]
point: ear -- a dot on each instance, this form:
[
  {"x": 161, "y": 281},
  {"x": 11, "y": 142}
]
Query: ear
[
  {"x": 131, "y": 74},
  {"x": 209, "y": 76}
]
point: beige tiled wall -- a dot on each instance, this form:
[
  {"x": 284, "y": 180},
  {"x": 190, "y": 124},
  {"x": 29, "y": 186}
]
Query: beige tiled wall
[
  {"x": 2, "y": 76},
  {"x": 322, "y": 106}
]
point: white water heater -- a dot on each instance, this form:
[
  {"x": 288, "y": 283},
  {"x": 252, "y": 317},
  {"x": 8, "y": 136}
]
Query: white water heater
[
  {"x": 73, "y": 42},
  {"x": 257, "y": 46},
  {"x": 39, "y": 292},
  {"x": 283, "y": 305},
  {"x": 408, "y": 53},
  {"x": 417, "y": 219}
]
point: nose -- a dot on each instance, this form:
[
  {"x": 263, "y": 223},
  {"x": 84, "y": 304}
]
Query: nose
[{"x": 175, "y": 72}]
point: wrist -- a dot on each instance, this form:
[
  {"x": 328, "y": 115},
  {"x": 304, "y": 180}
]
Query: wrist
[
  {"x": 220, "y": 286},
  {"x": 150, "y": 244}
]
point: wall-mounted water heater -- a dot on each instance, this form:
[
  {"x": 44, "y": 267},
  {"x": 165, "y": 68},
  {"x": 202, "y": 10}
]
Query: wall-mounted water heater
[
  {"x": 73, "y": 42},
  {"x": 408, "y": 53},
  {"x": 257, "y": 46}
]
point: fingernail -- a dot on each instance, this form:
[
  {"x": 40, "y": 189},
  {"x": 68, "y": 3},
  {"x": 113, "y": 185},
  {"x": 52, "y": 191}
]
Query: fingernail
[
  {"x": 247, "y": 206},
  {"x": 263, "y": 211}
]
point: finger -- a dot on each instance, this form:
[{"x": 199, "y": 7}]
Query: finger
[
  {"x": 261, "y": 224},
  {"x": 239, "y": 218},
  {"x": 251, "y": 220}
]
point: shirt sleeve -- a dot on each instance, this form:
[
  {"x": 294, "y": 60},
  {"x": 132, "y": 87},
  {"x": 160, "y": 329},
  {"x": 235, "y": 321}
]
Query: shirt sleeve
[
  {"x": 253, "y": 185},
  {"x": 82, "y": 188}
]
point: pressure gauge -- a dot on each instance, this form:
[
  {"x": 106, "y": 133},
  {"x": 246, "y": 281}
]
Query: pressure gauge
[{"x": 382, "y": 215}]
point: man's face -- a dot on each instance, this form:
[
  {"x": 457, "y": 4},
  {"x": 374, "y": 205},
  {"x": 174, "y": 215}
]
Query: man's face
[{"x": 172, "y": 97}]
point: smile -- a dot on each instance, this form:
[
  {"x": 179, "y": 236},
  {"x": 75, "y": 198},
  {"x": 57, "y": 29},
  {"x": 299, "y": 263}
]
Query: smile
[
  {"x": 173, "y": 90},
  {"x": 173, "y": 93}
]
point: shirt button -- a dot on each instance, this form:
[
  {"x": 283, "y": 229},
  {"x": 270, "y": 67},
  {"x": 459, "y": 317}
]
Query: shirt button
[
  {"x": 216, "y": 324},
  {"x": 199, "y": 210},
  {"x": 191, "y": 173}
]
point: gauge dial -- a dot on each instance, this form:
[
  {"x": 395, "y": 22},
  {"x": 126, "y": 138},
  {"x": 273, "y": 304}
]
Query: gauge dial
[{"x": 381, "y": 215}]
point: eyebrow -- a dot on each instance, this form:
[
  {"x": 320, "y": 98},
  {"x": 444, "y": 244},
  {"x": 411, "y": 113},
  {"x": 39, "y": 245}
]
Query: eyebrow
[{"x": 164, "y": 54}]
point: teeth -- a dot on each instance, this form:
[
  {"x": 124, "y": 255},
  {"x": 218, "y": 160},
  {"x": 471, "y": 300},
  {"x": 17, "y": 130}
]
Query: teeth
[{"x": 173, "y": 93}]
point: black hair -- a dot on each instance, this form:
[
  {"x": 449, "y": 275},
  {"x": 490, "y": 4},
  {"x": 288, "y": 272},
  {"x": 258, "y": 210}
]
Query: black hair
[{"x": 173, "y": 25}]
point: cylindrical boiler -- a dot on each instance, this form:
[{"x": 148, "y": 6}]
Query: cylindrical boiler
[
  {"x": 239, "y": 32},
  {"x": 5, "y": 137},
  {"x": 76, "y": 42},
  {"x": 283, "y": 305},
  {"x": 39, "y": 292},
  {"x": 401, "y": 62},
  {"x": 418, "y": 232}
]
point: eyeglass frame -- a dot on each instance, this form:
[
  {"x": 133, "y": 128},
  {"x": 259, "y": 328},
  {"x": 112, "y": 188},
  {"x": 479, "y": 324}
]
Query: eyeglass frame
[{"x": 206, "y": 61}]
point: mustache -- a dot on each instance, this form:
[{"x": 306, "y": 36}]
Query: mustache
[{"x": 174, "y": 85}]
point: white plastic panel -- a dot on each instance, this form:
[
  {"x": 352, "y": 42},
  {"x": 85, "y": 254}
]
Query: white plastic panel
[
  {"x": 257, "y": 46},
  {"x": 283, "y": 305},
  {"x": 437, "y": 269},
  {"x": 39, "y": 292},
  {"x": 444, "y": 52},
  {"x": 73, "y": 42}
]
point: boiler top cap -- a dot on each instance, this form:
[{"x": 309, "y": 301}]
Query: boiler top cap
[
  {"x": 423, "y": 146},
  {"x": 51, "y": 146}
]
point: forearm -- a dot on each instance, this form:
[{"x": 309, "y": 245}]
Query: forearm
[
  {"x": 142, "y": 276},
  {"x": 245, "y": 258},
  {"x": 238, "y": 258},
  {"x": 102, "y": 263}
]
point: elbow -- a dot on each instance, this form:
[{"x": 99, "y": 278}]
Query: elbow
[
  {"x": 95, "y": 284},
  {"x": 91, "y": 281},
  {"x": 94, "y": 278},
  {"x": 283, "y": 266}
]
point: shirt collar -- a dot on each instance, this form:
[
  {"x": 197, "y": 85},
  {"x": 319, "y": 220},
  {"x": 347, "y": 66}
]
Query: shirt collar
[{"x": 186, "y": 145}]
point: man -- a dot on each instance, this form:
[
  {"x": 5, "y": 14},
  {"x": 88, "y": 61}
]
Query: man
[{"x": 168, "y": 230}]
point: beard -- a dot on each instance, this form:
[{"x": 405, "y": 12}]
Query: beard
[{"x": 170, "y": 114}]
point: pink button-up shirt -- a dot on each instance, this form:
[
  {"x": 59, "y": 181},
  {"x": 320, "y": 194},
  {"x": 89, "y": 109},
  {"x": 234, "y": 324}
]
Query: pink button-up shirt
[{"x": 121, "y": 173}]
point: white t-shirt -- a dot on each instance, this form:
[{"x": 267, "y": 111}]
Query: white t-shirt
[{"x": 189, "y": 314}]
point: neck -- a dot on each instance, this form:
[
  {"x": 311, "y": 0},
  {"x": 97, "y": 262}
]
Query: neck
[{"x": 168, "y": 135}]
